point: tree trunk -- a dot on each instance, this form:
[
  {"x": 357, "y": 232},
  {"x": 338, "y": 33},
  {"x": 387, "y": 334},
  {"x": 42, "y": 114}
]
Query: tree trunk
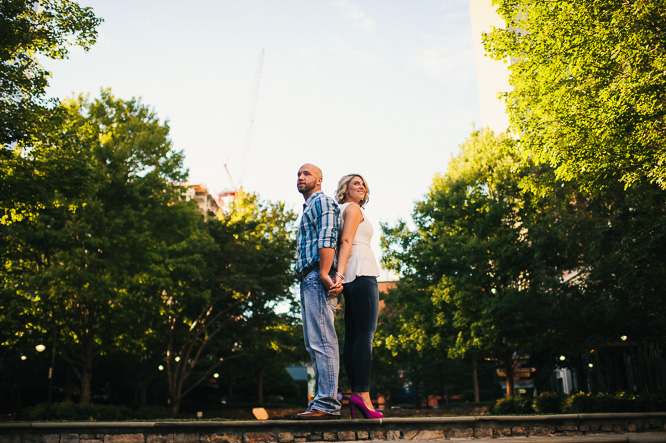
[
  {"x": 69, "y": 384},
  {"x": 475, "y": 379},
  {"x": 175, "y": 406},
  {"x": 86, "y": 370},
  {"x": 443, "y": 388},
  {"x": 86, "y": 379},
  {"x": 176, "y": 393},
  {"x": 260, "y": 387}
]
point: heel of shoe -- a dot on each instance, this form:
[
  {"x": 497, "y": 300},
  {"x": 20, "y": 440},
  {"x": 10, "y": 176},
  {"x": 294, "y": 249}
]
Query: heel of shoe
[
  {"x": 356, "y": 401},
  {"x": 351, "y": 409}
]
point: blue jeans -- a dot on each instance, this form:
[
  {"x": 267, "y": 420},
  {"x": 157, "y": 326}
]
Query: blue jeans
[
  {"x": 361, "y": 307},
  {"x": 321, "y": 341}
]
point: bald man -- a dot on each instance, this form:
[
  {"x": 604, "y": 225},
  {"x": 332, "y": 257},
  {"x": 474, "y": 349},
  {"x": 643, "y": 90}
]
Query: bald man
[{"x": 316, "y": 247}]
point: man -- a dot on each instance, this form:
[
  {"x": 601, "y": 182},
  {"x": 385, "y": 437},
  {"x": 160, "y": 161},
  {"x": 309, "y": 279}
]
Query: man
[{"x": 316, "y": 246}]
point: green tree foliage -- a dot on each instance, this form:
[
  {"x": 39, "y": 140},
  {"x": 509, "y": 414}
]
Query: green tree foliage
[
  {"x": 117, "y": 262},
  {"x": 29, "y": 29},
  {"x": 223, "y": 308},
  {"x": 482, "y": 270},
  {"x": 85, "y": 265},
  {"x": 624, "y": 264},
  {"x": 272, "y": 342},
  {"x": 588, "y": 84}
]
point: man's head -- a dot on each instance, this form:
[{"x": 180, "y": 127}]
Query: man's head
[{"x": 309, "y": 180}]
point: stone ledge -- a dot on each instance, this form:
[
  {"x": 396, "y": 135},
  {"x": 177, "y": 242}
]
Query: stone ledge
[
  {"x": 295, "y": 431},
  {"x": 307, "y": 423}
]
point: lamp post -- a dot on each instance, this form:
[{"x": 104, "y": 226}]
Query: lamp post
[
  {"x": 41, "y": 348},
  {"x": 53, "y": 354}
]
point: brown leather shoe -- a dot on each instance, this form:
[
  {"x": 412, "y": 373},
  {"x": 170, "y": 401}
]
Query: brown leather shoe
[{"x": 315, "y": 414}]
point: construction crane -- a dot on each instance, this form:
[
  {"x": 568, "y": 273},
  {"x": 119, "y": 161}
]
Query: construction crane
[
  {"x": 227, "y": 196},
  {"x": 253, "y": 107},
  {"x": 224, "y": 198}
]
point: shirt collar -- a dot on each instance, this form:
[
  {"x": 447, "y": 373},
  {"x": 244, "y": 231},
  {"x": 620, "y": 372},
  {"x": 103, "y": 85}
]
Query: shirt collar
[{"x": 307, "y": 202}]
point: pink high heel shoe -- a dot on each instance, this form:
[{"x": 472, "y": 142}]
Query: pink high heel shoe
[{"x": 355, "y": 400}]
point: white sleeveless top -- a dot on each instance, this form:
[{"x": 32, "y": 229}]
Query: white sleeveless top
[{"x": 361, "y": 259}]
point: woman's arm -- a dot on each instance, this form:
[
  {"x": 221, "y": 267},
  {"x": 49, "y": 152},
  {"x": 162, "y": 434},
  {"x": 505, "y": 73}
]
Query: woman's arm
[{"x": 352, "y": 217}]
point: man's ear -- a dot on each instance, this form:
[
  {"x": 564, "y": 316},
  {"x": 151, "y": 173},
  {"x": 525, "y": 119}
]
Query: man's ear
[{"x": 319, "y": 180}]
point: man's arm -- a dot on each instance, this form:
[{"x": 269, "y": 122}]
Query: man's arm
[
  {"x": 328, "y": 239},
  {"x": 326, "y": 256}
]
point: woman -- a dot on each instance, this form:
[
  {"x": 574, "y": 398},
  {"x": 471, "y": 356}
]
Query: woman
[{"x": 358, "y": 271}]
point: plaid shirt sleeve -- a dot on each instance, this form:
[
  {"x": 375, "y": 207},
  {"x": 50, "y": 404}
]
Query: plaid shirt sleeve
[{"x": 328, "y": 224}]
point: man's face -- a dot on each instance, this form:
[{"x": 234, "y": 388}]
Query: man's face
[{"x": 309, "y": 180}]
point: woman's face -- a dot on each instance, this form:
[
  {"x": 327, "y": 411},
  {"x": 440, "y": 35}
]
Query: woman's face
[{"x": 355, "y": 190}]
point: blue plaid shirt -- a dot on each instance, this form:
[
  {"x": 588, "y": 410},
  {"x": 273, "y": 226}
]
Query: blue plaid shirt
[{"x": 318, "y": 229}]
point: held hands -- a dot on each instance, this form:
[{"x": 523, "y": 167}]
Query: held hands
[{"x": 333, "y": 287}]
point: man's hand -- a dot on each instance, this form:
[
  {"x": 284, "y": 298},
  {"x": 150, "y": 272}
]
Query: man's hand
[
  {"x": 327, "y": 281},
  {"x": 326, "y": 256},
  {"x": 336, "y": 288}
]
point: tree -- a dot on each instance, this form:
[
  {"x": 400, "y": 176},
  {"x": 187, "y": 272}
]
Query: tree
[
  {"x": 588, "y": 84},
  {"x": 621, "y": 287},
  {"x": 28, "y": 30},
  {"x": 31, "y": 29},
  {"x": 482, "y": 271},
  {"x": 214, "y": 310},
  {"x": 87, "y": 257},
  {"x": 273, "y": 342},
  {"x": 412, "y": 350}
]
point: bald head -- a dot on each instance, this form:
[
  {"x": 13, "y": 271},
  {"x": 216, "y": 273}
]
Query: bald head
[
  {"x": 313, "y": 169},
  {"x": 309, "y": 180}
]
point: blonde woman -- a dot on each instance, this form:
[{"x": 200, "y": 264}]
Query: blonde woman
[{"x": 357, "y": 271}]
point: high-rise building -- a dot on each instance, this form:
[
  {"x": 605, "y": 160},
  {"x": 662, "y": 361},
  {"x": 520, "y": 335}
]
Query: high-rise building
[
  {"x": 492, "y": 75},
  {"x": 200, "y": 194}
]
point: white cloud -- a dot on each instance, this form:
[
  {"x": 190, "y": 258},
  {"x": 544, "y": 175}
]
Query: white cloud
[{"x": 353, "y": 12}]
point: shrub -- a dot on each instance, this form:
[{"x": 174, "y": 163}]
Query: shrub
[
  {"x": 515, "y": 405},
  {"x": 641, "y": 403},
  {"x": 609, "y": 403},
  {"x": 580, "y": 403},
  {"x": 549, "y": 403}
]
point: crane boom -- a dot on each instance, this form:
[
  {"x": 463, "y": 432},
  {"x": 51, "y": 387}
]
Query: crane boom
[{"x": 253, "y": 106}]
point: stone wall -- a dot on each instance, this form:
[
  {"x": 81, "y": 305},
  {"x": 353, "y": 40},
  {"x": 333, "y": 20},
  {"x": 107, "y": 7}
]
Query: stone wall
[{"x": 292, "y": 431}]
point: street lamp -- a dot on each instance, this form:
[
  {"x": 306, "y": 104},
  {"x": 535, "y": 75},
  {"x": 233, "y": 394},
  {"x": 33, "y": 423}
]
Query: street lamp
[
  {"x": 53, "y": 355},
  {"x": 40, "y": 347}
]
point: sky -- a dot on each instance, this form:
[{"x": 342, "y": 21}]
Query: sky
[{"x": 383, "y": 88}]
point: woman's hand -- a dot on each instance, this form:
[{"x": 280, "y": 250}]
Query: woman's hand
[
  {"x": 336, "y": 287},
  {"x": 332, "y": 287}
]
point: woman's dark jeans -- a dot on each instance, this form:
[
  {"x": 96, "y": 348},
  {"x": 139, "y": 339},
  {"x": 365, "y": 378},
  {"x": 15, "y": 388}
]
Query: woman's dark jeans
[{"x": 361, "y": 306}]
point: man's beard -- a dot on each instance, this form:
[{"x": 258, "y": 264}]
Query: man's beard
[{"x": 305, "y": 189}]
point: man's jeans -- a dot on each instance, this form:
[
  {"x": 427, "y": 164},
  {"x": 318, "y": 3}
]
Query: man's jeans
[{"x": 321, "y": 341}]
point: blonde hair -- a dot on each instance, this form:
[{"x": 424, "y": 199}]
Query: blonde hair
[{"x": 343, "y": 186}]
